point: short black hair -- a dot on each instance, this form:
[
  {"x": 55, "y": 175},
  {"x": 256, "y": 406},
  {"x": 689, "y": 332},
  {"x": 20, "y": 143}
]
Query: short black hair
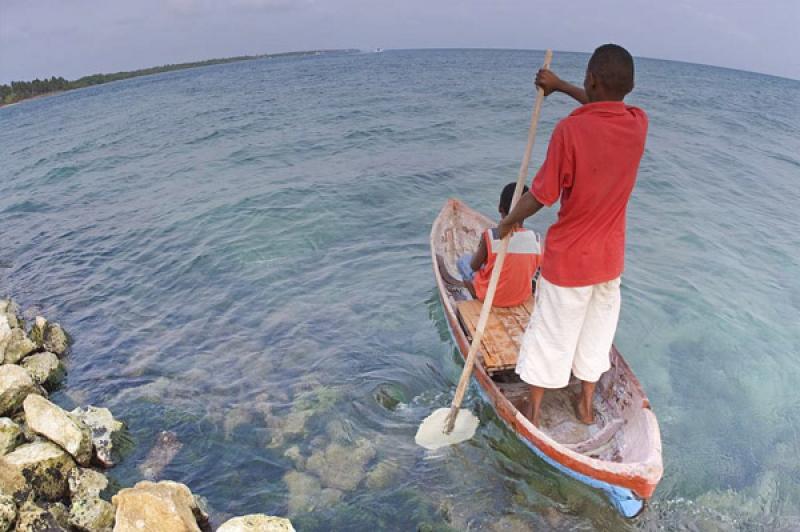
[
  {"x": 612, "y": 65},
  {"x": 507, "y": 195}
]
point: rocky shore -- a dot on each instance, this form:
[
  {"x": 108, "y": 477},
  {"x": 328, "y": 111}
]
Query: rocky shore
[{"x": 52, "y": 460}]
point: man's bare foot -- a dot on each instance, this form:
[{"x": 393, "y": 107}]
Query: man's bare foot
[{"x": 587, "y": 418}]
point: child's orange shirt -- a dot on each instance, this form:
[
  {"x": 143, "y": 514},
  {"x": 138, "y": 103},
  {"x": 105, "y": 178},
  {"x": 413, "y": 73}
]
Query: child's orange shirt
[{"x": 521, "y": 262}]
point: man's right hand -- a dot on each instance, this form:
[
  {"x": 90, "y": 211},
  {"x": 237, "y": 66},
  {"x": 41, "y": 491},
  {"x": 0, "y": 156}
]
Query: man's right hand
[{"x": 548, "y": 81}]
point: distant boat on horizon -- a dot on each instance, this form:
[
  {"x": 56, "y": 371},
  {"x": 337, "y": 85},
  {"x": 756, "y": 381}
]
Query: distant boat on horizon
[{"x": 378, "y": 50}]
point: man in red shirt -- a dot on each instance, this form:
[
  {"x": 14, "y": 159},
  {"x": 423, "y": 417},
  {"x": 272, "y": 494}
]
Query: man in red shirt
[{"x": 591, "y": 166}]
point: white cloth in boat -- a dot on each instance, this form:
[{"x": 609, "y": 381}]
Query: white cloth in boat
[{"x": 571, "y": 329}]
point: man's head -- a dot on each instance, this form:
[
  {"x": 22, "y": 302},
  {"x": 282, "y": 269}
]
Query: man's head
[
  {"x": 506, "y": 196},
  {"x": 609, "y": 75}
]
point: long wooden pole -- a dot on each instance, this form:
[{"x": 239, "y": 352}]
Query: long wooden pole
[{"x": 498, "y": 264}]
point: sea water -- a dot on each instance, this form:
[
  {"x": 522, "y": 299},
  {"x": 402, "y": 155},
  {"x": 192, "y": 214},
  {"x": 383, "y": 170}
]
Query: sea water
[{"x": 240, "y": 253}]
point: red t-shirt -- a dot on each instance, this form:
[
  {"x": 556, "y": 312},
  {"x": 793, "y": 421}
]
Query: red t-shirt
[{"x": 591, "y": 165}]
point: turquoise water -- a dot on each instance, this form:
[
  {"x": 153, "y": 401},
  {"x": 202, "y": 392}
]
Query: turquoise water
[{"x": 241, "y": 254}]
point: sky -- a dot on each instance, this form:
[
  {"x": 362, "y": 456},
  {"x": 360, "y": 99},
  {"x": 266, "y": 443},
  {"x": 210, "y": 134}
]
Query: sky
[{"x": 72, "y": 38}]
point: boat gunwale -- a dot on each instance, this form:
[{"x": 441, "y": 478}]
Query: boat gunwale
[{"x": 641, "y": 477}]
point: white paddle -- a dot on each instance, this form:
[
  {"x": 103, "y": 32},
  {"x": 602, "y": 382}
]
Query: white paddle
[{"x": 447, "y": 426}]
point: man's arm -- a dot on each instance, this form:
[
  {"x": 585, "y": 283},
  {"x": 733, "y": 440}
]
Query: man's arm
[
  {"x": 526, "y": 206},
  {"x": 480, "y": 256},
  {"x": 549, "y": 82}
]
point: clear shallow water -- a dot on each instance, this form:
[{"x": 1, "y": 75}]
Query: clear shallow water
[{"x": 240, "y": 245}]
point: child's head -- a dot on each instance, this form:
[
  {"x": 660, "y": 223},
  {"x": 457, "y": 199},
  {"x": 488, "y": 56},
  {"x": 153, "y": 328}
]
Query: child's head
[
  {"x": 506, "y": 196},
  {"x": 609, "y": 74}
]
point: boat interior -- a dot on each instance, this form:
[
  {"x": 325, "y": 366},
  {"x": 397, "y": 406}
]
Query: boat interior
[{"x": 618, "y": 429}]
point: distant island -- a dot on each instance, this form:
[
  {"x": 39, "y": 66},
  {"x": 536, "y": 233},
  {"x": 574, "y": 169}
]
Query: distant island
[{"x": 23, "y": 90}]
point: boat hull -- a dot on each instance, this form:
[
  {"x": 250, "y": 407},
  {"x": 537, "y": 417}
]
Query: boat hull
[{"x": 627, "y": 486}]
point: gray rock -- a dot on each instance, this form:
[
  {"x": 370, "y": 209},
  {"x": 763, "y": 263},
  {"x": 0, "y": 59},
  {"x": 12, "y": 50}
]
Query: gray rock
[
  {"x": 86, "y": 483},
  {"x": 18, "y": 347},
  {"x": 60, "y": 427},
  {"x": 40, "y": 468},
  {"x": 37, "y": 331},
  {"x": 342, "y": 466},
  {"x": 8, "y": 513},
  {"x": 105, "y": 431},
  {"x": 55, "y": 339},
  {"x": 10, "y": 435},
  {"x": 163, "y": 452},
  {"x": 156, "y": 507},
  {"x": 9, "y": 308},
  {"x": 92, "y": 515},
  {"x": 257, "y": 523},
  {"x": 5, "y": 336},
  {"x": 34, "y": 518},
  {"x": 45, "y": 368},
  {"x": 15, "y": 385}
]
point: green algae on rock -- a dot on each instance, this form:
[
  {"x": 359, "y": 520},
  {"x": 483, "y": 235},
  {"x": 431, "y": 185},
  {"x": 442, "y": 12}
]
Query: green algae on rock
[
  {"x": 8, "y": 512},
  {"x": 40, "y": 468},
  {"x": 10, "y": 435},
  {"x": 92, "y": 515},
  {"x": 55, "y": 339},
  {"x": 86, "y": 483}
]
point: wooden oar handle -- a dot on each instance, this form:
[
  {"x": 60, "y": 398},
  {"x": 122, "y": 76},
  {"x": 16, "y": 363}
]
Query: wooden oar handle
[{"x": 498, "y": 264}]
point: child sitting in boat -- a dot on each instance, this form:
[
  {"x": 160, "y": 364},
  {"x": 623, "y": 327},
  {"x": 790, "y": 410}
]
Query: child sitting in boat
[{"x": 522, "y": 260}]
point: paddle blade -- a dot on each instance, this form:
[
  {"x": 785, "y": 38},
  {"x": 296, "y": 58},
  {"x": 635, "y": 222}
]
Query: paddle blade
[{"x": 431, "y": 432}]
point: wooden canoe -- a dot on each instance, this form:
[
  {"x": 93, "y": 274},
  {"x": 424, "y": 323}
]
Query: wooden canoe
[{"x": 620, "y": 454}]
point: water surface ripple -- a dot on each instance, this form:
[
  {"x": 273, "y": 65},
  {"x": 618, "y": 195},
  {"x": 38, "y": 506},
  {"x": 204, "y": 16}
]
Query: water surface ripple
[{"x": 241, "y": 254}]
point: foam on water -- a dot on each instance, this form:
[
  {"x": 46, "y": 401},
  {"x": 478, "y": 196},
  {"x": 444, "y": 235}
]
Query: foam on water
[{"x": 241, "y": 253}]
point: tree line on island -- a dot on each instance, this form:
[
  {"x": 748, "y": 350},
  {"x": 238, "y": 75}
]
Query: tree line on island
[{"x": 22, "y": 90}]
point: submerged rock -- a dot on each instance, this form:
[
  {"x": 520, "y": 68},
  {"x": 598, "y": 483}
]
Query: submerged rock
[
  {"x": 105, "y": 430},
  {"x": 92, "y": 515},
  {"x": 45, "y": 368},
  {"x": 382, "y": 475},
  {"x": 157, "y": 507},
  {"x": 306, "y": 493},
  {"x": 55, "y": 424},
  {"x": 86, "y": 483},
  {"x": 342, "y": 466},
  {"x": 18, "y": 346},
  {"x": 8, "y": 513},
  {"x": 55, "y": 339},
  {"x": 15, "y": 385},
  {"x": 293, "y": 453},
  {"x": 257, "y": 523},
  {"x": 163, "y": 452},
  {"x": 10, "y": 435},
  {"x": 34, "y": 518},
  {"x": 40, "y": 468}
]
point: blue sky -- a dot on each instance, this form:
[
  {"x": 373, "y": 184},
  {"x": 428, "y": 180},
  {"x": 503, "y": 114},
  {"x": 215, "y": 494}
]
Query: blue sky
[{"x": 72, "y": 38}]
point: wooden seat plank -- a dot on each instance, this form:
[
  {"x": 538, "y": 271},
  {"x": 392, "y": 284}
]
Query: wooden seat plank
[{"x": 503, "y": 334}]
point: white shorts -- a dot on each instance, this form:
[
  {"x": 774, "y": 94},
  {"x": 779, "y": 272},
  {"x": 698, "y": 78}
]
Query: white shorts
[{"x": 571, "y": 329}]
